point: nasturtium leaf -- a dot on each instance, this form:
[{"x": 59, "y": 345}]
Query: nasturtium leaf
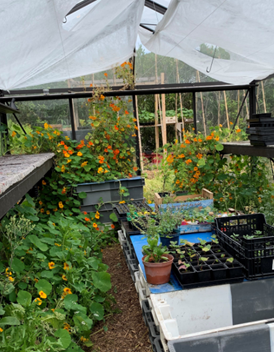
[
  {"x": 201, "y": 162},
  {"x": 9, "y": 321},
  {"x": 93, "y": 262},
  {"x": 2, "y": 267},
  {"x": 98, "y": 298},
  {"x": 64, "y": 337},
  {"x": 97, "y": 310},
  {"x": 219, "y": 147},
  {"x": 36, "y": 241},
  {"x": 17, "y": 265},
  {"x": 113, "y": 217},
  {"x": 47, "y": 273},
  {"x": 101, "y": 281},
  {"x": 82, "y": 195},
  {"x": 43, "y": 285},
  {"x": 12, "y": 296},
  {"x": 2, "y": 312},
  {"x": 24, "y": 298},
  {"x": 23, "y": 285}
]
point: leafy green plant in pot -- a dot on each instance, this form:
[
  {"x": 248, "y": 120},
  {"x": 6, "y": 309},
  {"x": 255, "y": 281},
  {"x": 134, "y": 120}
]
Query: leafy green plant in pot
[
  {"x": 169, "y": 221},
  {"x": 157, "y": 261}
]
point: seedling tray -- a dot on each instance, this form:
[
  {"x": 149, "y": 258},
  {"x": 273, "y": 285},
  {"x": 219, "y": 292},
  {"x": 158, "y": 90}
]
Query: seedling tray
[
  {"x": 123, "y": 209},
  {"x": 216, "y": 269},
  {"x": 256, "y": 254},
  {"x": 260, "y": 130}
]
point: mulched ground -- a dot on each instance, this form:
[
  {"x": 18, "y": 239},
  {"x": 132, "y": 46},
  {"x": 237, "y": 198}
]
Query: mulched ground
[{"x": 127, "y": 331}]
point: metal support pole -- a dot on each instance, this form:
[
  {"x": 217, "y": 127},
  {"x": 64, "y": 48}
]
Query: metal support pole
[
  {"x": 4, "y": 121},
  {"x": 72, "y": 119},
  {"x": 194, "y": 111},
  {"x": 252, "y": 100},
  {"x": 240, "y": 110}
]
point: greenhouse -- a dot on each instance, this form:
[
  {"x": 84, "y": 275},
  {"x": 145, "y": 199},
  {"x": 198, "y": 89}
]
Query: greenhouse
[{"x": 136, "y": 176}]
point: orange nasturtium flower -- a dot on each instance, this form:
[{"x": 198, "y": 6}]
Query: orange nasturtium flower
[
  {"x": 67, "y": 291},
  {"x": 135, "y": 168},
  {"x": 42, "y": 210},
  {"x": 112, "y": 226},
  {"x": 188, "y": 161},
  {"x": 94, "y": 225},
  {"x": 199, "y": 156},
  {"x": 44, "y": 182},
  {"x": 208, "y": 138},
  {"x": 38, "y": 301},
  {"x": 105, "y": 74},
  {"x": 84, "y": 164},
  {"x": 79, "y": 154},
  {"x": 13, "y": 134},
  {"x": 187, "y": 141},
  {"x": 102, "y": 97},
  {"x": 126, "y": 112},
  {"x": 195, "y": 168},
  {"x": 238, "y": 130},
  {"x": 61, "y": 205},
  {"x": 87, "y": 219},
  {"x": 42, "y": 294},
  {"x": 64, "y": 277},
  {"x": 51, "y": 265},
  {"x": 66, "y": 266}
]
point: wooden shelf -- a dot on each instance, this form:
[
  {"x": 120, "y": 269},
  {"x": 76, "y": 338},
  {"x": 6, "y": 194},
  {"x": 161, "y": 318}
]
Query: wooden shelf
[
  {"x": 245, "y": 148},
  {"x": 18, "y": 174}
]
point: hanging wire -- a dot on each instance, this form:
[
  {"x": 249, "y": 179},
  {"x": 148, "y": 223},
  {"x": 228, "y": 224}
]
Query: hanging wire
[
  {"x": 65, "y": 58},
  {"x": 209, "y": 69}
]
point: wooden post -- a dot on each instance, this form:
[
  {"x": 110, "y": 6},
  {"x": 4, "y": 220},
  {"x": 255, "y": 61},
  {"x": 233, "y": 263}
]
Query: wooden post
[
  {"x": 157, "y": 142},
  {"x": 139, "y": 134},
  {"x": 75, "y": 109},
  {"x": 181, "y": 103},
  {"x": 202, "y": 103},
  {"x": 262, "y": 83},
  {"x": 219, "y": 108},
  {"x": 238, "y": 93},
  {"x": 247, "y": 110},
  {"x": 226, "y": 110},
  {"x": 164, "y": 137}
]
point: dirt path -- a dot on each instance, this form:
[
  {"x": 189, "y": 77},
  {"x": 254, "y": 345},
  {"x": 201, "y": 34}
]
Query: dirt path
[{"x": 127, "y": 331}]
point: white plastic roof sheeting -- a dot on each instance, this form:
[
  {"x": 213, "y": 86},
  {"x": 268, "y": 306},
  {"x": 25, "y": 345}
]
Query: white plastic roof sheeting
[
  {"x": 244, "y": 29},
  {"x": 37, "y": 47}
]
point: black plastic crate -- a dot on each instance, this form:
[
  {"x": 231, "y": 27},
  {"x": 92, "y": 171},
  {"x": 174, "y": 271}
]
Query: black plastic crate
[{"x": 256, "y": 254}]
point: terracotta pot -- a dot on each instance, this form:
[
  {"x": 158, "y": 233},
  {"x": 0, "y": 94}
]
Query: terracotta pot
[{"x": 158, "y": 273}]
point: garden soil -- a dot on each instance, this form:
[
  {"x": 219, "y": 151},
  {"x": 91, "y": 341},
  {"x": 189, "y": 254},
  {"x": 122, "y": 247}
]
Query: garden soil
[{"x": 127, "y": 331}]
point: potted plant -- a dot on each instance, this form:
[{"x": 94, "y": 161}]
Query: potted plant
[
  {"x": 157, "y": 262},
  {"x": 169, "y": 222}
]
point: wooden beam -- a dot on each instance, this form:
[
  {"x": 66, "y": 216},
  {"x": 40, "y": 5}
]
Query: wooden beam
[
  {"x": 139, "y": 134},
  {"x": 202, "y": 103},
  {"x": 226, "y": 111},
  {"x": 262, "y": 83},
  {"x": 164, "y": 135}
]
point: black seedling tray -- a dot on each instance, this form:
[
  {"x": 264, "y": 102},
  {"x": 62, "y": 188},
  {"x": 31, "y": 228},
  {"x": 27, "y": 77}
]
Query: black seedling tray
[
  {"x": 260, "y": 131},
  {"x": 215, "y": 269},
  {"x": 260, "y": 138},
  {"x": 256, "y": 254},
  {"x": 123, "y": 209},
  {"x": 129, "y": 231}
]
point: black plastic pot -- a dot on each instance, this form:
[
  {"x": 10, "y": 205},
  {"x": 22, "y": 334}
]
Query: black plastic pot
[{"x": 166, "y": 239}]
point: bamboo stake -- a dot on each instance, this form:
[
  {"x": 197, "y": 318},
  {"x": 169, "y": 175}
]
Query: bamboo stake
[
  {"x": 164, "y": 137},
  {"x": 238, "y": 92},
  {"x": 157, "y": 142},
  {"x": 246, "y": 106},
  {"x": 202, "y": 103},
  {"x": 263, "y": 96},
  {"x": 226, "y": 110},
  {"x": 139, "y": 134},
  {"x": 181, "y": 103},
  {"x": 219, "y": 109}
]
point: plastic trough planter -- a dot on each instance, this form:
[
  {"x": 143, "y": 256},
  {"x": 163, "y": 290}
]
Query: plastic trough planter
[{"x": 221, "y": 318}]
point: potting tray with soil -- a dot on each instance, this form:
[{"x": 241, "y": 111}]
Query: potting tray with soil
[
  {"x": 250, "y": 240},
  {"x": 195, "y": 267}
]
